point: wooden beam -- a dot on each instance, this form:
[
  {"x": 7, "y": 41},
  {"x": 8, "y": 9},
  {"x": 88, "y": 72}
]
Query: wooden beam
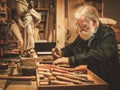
[{"x": 60, "y": 25}]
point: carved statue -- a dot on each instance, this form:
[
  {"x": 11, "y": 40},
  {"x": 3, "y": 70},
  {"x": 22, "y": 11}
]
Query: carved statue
[{"x": 27, "y": 17}]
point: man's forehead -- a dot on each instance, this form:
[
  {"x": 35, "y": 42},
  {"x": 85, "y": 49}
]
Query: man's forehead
[{"x": 81, "y": 19}]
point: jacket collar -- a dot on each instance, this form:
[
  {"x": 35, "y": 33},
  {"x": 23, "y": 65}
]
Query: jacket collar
[{"x": 97, "y": 34}]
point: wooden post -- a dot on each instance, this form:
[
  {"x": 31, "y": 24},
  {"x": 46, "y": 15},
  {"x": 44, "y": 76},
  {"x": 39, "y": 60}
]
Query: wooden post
[
  {"x": 102, "y": 9},
  {"x": 60, "y": 25}
]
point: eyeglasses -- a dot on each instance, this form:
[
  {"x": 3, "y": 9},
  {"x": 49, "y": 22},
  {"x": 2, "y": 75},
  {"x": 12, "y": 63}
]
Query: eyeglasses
[
  {"x": 83, "y": 23},
  {"x": 82, "y": 26}
]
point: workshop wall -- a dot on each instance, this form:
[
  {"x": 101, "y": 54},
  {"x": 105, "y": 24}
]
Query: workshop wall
[{"x": 112, "y": 10}]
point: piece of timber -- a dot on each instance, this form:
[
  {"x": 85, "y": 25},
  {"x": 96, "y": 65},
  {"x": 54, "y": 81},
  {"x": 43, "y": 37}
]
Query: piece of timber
[
  {"x": 18, "y": 77},
  {"x": 57, "y": 82},
  {"x": 68, "y": 79}
]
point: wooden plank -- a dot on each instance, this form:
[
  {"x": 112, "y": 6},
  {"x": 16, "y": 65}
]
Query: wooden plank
[
  {"x": 47, "y": 31},
  {"x": 2, "y": 83},
  {"x": 21, "y": 85},
  {"x": 17, "y": 77},
  {"x": 60, "y": 26}
]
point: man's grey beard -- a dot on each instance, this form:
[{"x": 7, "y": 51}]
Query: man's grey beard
[{"x": 86, "y": 35}]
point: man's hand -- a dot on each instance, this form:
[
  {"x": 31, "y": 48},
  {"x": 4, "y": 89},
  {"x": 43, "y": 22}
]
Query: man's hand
[
  {"x": 63, "y": 60},
  {"x": 56, "y": 53}
]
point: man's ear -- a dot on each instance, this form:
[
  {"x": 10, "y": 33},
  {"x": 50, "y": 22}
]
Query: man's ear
[{"x": 95, "y": 24}]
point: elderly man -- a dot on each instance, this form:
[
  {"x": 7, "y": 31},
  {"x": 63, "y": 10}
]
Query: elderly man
[{"x": 95, "y": 46}]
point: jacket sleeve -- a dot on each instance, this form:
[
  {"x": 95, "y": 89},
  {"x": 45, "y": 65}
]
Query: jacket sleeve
[
  {"x": 68, "y": 50},
  {"x": 105, "y": 50}
]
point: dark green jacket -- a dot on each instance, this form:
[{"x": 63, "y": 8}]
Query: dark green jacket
[{"x": 101, "y": 55}]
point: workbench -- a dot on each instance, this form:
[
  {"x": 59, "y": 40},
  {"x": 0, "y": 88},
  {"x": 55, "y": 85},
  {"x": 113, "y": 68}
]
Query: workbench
[
  {"x": 32, "y": 82},
  {"x": 17, "y": 85},
  {"x": 11, "y": 79}
]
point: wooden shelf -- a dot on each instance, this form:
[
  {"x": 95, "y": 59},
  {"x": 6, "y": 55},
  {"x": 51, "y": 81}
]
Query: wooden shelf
[
  {"x": 43, "y": 26},
  {"x": 2, "y": 1},
  {"x": 3, "y": 13},
  {"x": 43, "y": 20},
  {"x": 3, "y": 25},
  {"x": 41, "y": 30},
  {"x": 42, "y": 9}
]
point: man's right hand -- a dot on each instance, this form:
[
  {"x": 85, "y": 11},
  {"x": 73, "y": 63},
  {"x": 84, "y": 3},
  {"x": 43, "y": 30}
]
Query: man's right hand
[{"x": 56, "y": 53}]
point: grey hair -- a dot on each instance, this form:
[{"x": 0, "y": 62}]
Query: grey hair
[{"x": 89, "y": 11}]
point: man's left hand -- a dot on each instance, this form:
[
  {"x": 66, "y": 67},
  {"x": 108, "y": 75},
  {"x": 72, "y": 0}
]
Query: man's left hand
[{"x": 63, "y": 60}]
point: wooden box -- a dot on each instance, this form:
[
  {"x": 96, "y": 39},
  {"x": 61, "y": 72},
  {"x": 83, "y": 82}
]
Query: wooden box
[{"x": 98, "y": 84}]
